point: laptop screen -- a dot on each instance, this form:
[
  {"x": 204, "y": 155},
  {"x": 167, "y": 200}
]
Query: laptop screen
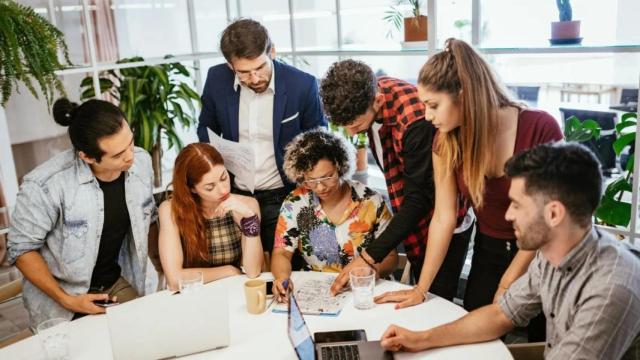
[{"x": 299, "y": 332}]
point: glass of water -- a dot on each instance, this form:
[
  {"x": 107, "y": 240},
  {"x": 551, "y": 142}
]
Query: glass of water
[
  {"x": 190, "y": 282},
  {"x": 54, "y": 338},
  {"x": 363, "y": 280}
]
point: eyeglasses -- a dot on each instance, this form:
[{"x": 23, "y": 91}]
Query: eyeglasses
[
  {"x": 325, "y": 181},
  {"x": 260, "y": 71}
]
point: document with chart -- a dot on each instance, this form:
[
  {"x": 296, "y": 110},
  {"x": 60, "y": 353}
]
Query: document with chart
[{"x": 314, "y": 297}]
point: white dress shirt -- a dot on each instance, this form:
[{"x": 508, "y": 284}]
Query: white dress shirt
[{"x": 256, "y": 129}]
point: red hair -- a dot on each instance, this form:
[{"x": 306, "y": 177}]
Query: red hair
[{"x": 193, "y": 162}]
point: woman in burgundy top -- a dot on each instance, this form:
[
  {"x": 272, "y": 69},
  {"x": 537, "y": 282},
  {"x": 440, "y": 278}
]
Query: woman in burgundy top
[{"x": 479, "y": 129}]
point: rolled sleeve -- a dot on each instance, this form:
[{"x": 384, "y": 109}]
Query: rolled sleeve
[
  {"x": 33, "y": 217},
  {"x": 522, "y": 302}
]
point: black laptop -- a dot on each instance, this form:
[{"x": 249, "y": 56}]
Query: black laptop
[
  {"x": 628, "y": 101},
  {"x": 307, "y": 349}
]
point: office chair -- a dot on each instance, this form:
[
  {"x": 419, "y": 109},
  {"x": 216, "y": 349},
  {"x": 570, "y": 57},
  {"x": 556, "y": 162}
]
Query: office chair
[{"x": 603, "y": 147}]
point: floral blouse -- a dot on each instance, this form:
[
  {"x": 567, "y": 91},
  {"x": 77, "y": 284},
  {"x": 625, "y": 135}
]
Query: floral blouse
[{"x": 326, "y": 246}]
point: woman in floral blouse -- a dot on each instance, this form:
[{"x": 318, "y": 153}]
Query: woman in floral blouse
[{"x": 328, "y": 218}]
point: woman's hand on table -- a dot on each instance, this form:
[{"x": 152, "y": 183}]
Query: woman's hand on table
[
  {"x": 343, "y": 278},
  {"x": 403, "y": 298},
  {"x": 396, "y": 338},
  {"x": 280, "y": 290}
]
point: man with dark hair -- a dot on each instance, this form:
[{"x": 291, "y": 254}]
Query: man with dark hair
[
  {"x": 586, "y": 283},
  {"x": 254, "y": 99},
  {"x": 400, "y": 138},
  {"x": 80, "y": 226}
]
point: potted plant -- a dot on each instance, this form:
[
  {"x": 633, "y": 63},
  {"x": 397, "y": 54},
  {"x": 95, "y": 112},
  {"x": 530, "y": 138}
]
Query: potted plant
[
  {"x": 415, "y": 26},
  {"x": 359, "y": 141},
  {"x": 565, "y": 31},
  {"x": 613, "y": 210},
  {"x": 153, "y": 99},
  {"x": 29, "y": 47}
]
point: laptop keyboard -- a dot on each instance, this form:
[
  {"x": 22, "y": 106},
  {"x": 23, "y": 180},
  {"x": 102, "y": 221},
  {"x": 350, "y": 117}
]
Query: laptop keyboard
[{"x": 340, "y": 352}]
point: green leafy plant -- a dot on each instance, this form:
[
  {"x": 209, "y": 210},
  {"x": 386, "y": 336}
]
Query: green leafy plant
[
  {"x": 29, "y": 47},
  {"x": 613, "y": 210},
  {"x": 359, "y": 141},
  {"x": 395, "y": 15},
  {"x": 564, "y": 8},
  {"x": 152, "y": 97},
  {"x": 574, "y": 130}
]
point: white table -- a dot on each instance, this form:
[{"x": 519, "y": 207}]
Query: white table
[{"x": 264, "y": 336}]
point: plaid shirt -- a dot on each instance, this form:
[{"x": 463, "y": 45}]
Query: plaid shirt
[
  {"x": 401, "y": 108},
  {"x": 224, "y": 241}
]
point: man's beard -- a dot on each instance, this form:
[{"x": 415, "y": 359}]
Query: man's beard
[
  {"x": 534, "y": 236},
  {"x": 258, "y": 88}
]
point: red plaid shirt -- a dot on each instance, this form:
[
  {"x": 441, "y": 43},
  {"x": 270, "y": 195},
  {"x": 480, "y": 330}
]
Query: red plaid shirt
[{"x": 401, "y": 108}]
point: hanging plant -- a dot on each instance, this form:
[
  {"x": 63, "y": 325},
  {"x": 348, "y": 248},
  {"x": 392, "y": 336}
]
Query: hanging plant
[{"x": 29, "y": 47}]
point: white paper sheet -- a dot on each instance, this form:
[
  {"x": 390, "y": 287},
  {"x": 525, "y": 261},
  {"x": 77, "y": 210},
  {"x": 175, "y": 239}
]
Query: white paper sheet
[
  {"x": 238, "y": 159},
  {"x": 314, "y": 297}
]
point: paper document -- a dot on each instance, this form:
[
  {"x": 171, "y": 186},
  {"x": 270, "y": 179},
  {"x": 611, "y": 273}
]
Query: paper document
[
  {"x": 238, "y": 159},
  {"x": 314, "y": 297}
]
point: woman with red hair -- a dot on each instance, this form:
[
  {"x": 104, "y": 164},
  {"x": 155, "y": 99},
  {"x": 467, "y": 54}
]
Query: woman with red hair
[{"x": 203, "y": 227}]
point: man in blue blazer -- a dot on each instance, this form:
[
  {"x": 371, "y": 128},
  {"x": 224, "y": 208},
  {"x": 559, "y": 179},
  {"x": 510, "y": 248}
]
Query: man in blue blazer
[{"x": 255, "y": 100}]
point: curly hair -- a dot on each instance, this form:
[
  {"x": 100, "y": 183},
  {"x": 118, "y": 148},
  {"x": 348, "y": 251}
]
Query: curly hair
[
  {"x": 306, "y": 149},
  {"x": 347, "y": 91}
]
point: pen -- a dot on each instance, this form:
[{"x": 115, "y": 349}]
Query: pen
[{"x": 285, "y": 284}]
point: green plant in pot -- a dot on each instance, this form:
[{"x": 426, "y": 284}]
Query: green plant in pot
[
  {"x": 567, "y": 30},
  {"x": 614, "y": 209},
  {"x": 415, "y": 25},
  {"x": 153, "y": 99},
  {"x": 359, "y": 141},
  {"x": 29, "y": 47}
]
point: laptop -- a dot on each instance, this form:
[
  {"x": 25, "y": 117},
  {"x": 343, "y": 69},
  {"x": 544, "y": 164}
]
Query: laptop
[
  {"x": 166, "y": 325},
  {"x": 628, "y": 101},
  {"x": 306, "y": 349}
]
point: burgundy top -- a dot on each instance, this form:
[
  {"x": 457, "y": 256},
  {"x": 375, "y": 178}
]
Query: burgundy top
[{"x": 535, "y": 127}]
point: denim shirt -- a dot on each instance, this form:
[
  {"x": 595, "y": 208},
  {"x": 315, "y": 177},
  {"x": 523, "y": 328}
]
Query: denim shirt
[{"x": 60, "y": 213}]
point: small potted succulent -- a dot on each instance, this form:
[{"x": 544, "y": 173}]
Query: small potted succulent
[
  {"x": 415, "y": 26},
  {"x": 565, "y": 31}
]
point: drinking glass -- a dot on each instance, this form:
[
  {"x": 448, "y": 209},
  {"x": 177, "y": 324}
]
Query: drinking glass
[
  {"x": 54, "y": 338},
  {"x": 363, "y": 280},
  {"x": 190, "y": 282}
]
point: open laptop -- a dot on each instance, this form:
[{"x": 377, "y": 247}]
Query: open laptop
[
  {"x": 628, "y": 101},
  {"x": 164, "y": 325},
  {"x": 306, "y": 349}
]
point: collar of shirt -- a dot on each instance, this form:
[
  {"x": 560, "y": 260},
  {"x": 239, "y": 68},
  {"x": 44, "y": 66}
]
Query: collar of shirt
[
  {"x": 85, "y": 174},
  {"x": 575, "y": 256},
  {"x": 272, "y": 82},
  {"x": 356, "y": 199}
]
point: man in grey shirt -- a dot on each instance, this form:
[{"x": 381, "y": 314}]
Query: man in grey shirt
[
  {"x": 586, "y": 283},
  {"x": 79, "y": 229}
]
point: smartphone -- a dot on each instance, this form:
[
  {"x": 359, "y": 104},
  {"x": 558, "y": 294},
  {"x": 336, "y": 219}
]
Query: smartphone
[
  {"x": 338, "y": 336},
  {"x": 105, "y": 303},
  {"x": 269, "y": 287}
]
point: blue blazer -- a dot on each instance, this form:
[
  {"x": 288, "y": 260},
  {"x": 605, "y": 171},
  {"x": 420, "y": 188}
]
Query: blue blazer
[{"x": 296, "y": 107}]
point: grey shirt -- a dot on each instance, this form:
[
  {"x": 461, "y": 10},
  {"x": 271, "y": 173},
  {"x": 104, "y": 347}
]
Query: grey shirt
[
  {"x": 591, "y": 300},
  {"x": 60, "y": 212}
]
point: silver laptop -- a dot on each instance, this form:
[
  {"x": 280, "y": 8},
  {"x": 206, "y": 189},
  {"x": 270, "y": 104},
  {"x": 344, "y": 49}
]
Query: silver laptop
[
  {"x": 306, "y": 349},
  {"x": 165, "y": 325}
]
